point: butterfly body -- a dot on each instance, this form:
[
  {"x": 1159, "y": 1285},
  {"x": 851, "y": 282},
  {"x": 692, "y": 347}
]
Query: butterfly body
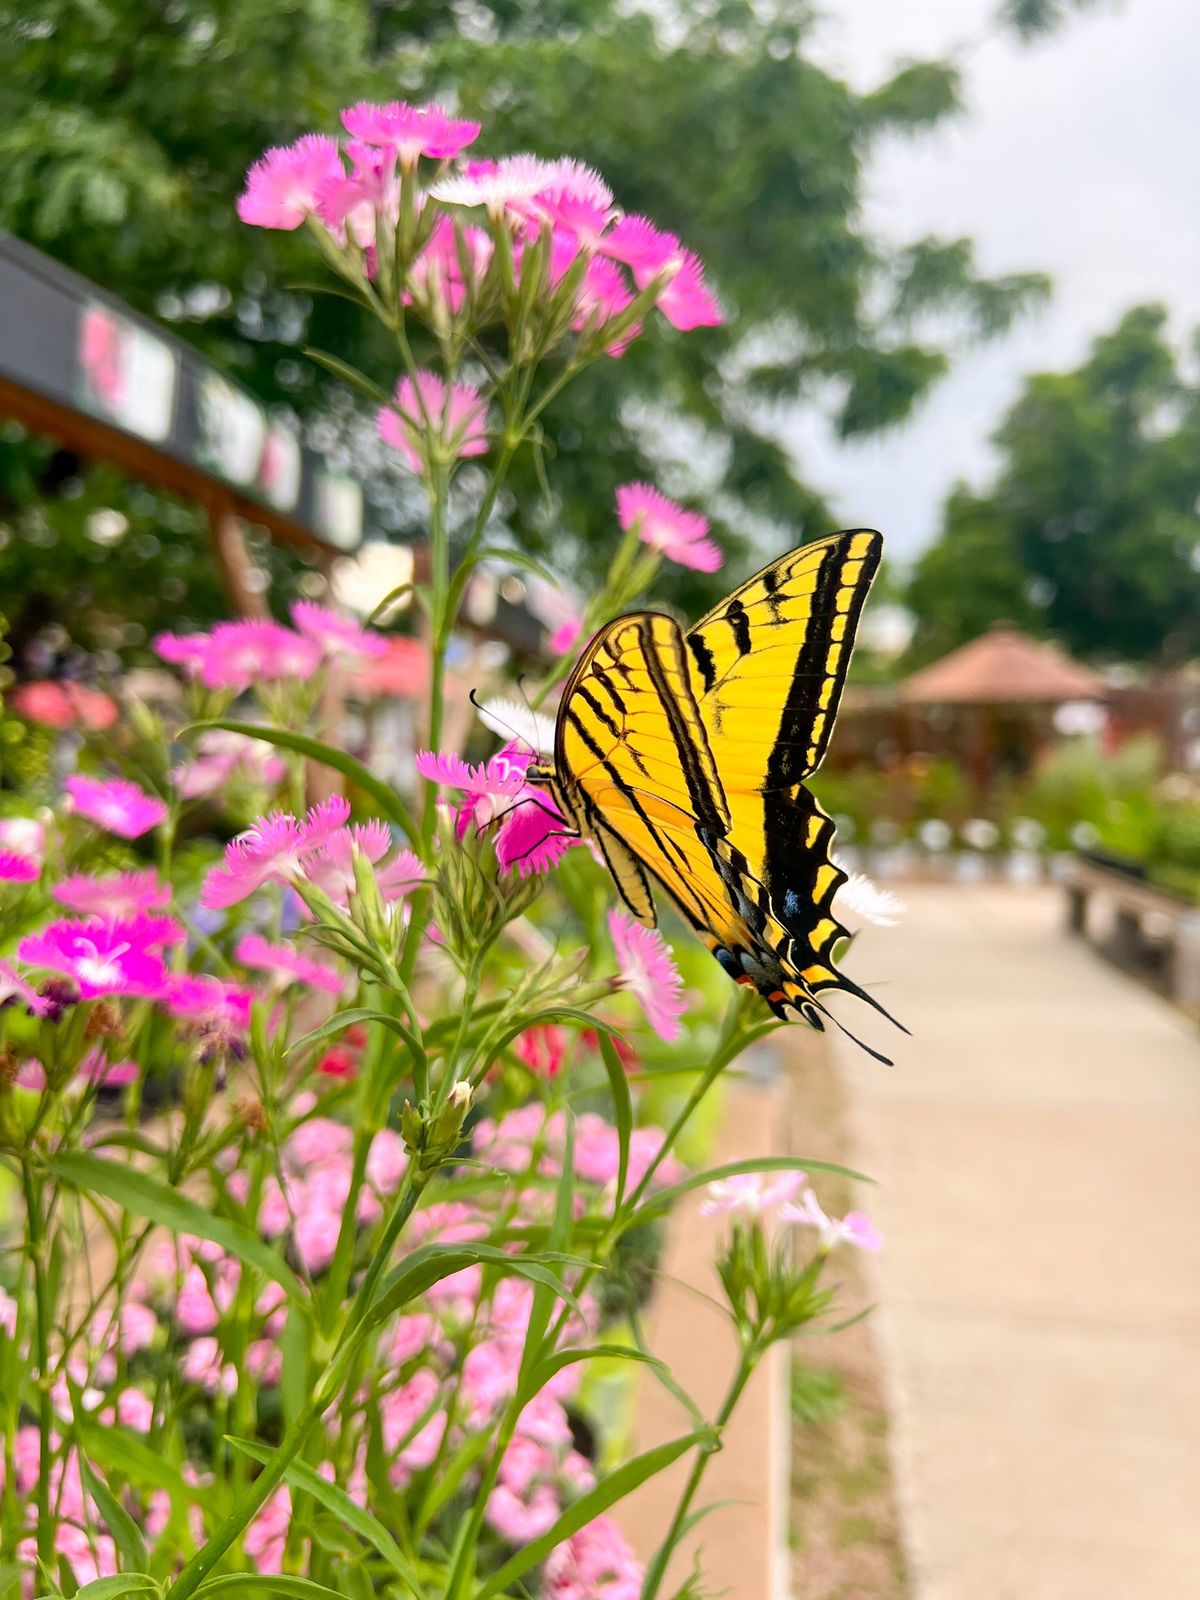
[{"x": 683, "y": 756}]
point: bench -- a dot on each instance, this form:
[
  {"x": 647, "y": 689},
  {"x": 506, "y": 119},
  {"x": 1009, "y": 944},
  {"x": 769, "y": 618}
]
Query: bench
[{"x": 1135, "y": 904}]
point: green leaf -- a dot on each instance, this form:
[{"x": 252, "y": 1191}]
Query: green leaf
[
  {"x": 112, "y": 1588},
  {"x": 294, "y": 1378},
  {"x": 340, "y": 1503},
  {"x": 146, "y": 1197},
  {"x": 432, "y": 1262},
  {"x": 120, "y": 1450},
  {"x": 622, "y": 1111},
  {"x": 384, "y": 796},
  {"x": 126, "y": 1535},
  {"x": 341, "y": 1020},
  {"x": 351, "y": 375},
  {"x": 270, "y": 1583},
  {"x": 606, "y": 1493}
]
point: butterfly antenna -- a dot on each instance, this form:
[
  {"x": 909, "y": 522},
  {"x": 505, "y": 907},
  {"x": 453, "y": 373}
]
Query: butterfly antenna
[
  {"x": 519, "y": 737},
  {"x": 877, "y": 1055}
]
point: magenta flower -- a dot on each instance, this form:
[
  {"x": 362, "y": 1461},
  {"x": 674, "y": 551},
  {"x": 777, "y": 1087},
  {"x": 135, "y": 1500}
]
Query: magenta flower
[
  {"x": 16, "y": 868},
  {"x": 411, "y": 131},
  {"x": 104, "y": 960},
  {"x": 565, "y": 637},
  {"x": 216, "y": 1013},
  {"x": 371, "y": 187},
  {"x": 532, "y": 834},
  {"x": 650, "y": 254},
  {"x": 24, "y": 835},
  {"x": 854, "y": 1228},
  {"x": 430, "y": 421},
  {"x": 122, "y": 894},
  {"x": 115, "y": 805},
  {"x": 275, "y": 850},
  {"x": 13, "y": 987},
  {"x": 281, "y": 187},
  {"x": 336, "y": 635},
  {"x": 187, "y": 651},
  {"x": 751, "y": 1194},
  {"x": 681, "y": 536},
  {"x": 287, "y": 965},
  {"x": 648, "y": 971},
  {"x": 243, "y": 653},
  {"x": 332, "y": 867}
]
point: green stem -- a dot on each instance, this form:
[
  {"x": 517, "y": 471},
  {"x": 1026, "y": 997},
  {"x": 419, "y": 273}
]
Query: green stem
[
  {"x": 33, "y": 1223},
  {"x": 355, "y": 1331},
  {"x": 657, "y": 1569}
]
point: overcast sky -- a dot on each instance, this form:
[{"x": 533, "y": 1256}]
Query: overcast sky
[{"x": 1078, "y": 156}]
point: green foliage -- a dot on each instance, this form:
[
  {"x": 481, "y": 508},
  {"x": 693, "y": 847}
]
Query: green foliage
[
  {"x": 1089, "y": 531},
  {"x": 127, "y": 138}
]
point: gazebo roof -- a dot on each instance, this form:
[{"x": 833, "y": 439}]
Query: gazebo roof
[{"x": 1003, "y": 667}]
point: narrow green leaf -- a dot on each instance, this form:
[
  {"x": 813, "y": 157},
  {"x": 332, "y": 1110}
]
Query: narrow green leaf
[
  {"x": 270, "y": 1583},
  {"x": 122, "y": 1451},
  {"x": 622, "y": 1112},
  {"x": 341, "y": 1020},
  {"x": 112, "y": 1588},
  {"x": 340, "y": 1503},
  {"x": 351, "y": 375},
  {"x": 384, "y": 796},
  {"x": 126, "y": 1535},
  {"x": 146, "y": 1197},
  {"x": 606, "y": 1493},
  {"x": 430, "y": 1263},
  {"x": 294, "y": 1387}
]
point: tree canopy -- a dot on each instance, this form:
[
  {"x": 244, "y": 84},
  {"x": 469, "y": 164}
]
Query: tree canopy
[
  {"x": 130, "y": 127},
  {"x": 1089, "y": 531}
]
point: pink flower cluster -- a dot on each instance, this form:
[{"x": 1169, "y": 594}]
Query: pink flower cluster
[
  {"x": 236, "y": 655},
  {"x": 755, "y": 1195},
  {"x": 319, "y": 849},
  {"x": 561, "y": 206},
  {"x": 309, "y": 1204},
  {"x": 530, "y": 833},
  {"x": 594, "y": 1564},
  {"x": 223, "y": 758},
  {"x": 527, "y": 1141},
  {"x": 575, "y": 206}
]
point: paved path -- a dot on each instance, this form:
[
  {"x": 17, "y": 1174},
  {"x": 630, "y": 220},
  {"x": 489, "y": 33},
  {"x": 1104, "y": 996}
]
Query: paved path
[{"x": 1037, "y": 1146}]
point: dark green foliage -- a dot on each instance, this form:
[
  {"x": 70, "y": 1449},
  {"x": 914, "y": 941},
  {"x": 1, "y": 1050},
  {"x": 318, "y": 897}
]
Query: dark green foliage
[
  {"x": 1089, "y": 531},
  {"x": 128, "y": 130}
]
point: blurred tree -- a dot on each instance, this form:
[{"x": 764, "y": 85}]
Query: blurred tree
[
  {"x": 129, "y": 127},
  {"x": 1089, "y": 532}
]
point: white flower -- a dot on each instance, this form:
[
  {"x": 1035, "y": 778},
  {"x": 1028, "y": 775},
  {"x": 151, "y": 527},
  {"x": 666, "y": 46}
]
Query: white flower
[
  {"x": 862, "y": 898},
  {"x": 512, "y": 720}
]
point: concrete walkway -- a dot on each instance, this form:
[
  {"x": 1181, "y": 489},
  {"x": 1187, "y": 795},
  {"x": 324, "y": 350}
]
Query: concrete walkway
[{"x": 1037, "y": 1146}]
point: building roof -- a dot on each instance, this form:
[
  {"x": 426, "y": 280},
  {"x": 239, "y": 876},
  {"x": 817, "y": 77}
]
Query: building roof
[{"x": 1003, "y": 667}]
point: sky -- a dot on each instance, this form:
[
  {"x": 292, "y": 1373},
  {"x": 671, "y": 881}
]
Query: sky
[{"x": 1078, "y": 156}]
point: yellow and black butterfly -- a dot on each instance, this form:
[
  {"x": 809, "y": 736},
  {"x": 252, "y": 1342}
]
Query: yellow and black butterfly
[{"x": 684, "y": 755}]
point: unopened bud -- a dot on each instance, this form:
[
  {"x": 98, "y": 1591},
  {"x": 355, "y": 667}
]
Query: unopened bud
[
  {"x": 252, "y": 1114},
  {"x": 104, "y": 1022},
  {"x": 412, "y": 1128}
]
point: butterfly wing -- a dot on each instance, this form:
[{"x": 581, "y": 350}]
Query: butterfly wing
[
  {"x": 770, "y": 663},
  {"x": 683, "y": 756}
]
